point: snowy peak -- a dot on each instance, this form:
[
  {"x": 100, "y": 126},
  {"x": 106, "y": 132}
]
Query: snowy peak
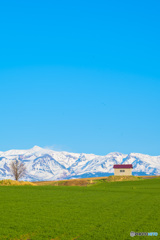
[
  {"x": 46, "y": 164},
  {"x": 37, "y": 148}
]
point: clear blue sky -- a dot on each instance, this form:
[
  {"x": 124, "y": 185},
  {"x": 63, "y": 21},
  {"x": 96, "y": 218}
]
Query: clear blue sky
[{"x": 80, "y": 76}]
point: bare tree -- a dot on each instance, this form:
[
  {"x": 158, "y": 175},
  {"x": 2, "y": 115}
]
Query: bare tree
[{"x": 18, "y": 169}]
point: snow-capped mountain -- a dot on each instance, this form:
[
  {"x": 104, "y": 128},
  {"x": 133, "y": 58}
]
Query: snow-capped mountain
[{"x": 45, "y": 164}]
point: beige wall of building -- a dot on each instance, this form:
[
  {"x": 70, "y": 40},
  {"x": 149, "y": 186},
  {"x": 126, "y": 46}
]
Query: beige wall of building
[{"x": 122, "y": 171}]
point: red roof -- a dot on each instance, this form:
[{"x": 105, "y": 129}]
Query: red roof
[{"x": 123, "y": 166}]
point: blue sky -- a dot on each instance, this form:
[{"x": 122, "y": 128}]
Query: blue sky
[{"x": 80, "y": 76}]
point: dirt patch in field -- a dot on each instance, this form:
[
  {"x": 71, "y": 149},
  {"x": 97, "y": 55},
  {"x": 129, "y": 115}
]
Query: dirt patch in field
[
  {"x": 71, "y": 182},
  {"x": 88, "y": 181}
]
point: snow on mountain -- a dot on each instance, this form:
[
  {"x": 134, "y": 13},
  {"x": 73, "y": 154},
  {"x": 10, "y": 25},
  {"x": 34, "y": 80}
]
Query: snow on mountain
[{"x": 45, "y": 164}]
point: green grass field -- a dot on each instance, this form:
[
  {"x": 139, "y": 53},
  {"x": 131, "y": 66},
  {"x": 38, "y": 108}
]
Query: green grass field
[{"x": 106, "y": 210}]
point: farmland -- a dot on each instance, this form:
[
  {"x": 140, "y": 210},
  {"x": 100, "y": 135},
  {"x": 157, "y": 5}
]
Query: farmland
[{"x": 103, "y": 210}]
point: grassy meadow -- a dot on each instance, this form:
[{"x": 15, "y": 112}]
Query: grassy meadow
[{"x": 104, "y": 210}]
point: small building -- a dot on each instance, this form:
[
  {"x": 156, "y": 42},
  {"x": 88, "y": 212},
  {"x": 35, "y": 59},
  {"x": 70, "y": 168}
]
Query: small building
[{"x": 123, "y": 169}]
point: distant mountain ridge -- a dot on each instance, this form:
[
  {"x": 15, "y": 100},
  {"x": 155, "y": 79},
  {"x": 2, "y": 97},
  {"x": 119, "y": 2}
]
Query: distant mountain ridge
[{"x": 45, "y": 164}]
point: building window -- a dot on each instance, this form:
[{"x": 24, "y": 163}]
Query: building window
[{"x": 122, "y": 170}]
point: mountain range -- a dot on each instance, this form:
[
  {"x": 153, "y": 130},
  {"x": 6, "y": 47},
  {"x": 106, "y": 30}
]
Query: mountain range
[{"x": 46, "y": 164}]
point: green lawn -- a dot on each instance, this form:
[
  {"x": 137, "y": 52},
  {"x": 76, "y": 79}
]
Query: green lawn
[{"x": 108, "y": 210}]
